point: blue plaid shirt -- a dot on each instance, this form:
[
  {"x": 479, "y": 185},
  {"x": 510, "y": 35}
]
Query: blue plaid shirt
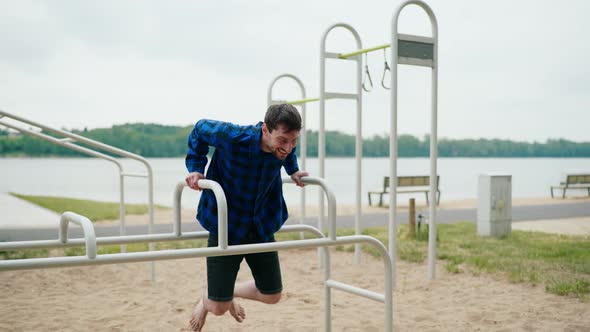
[{"x": 250, "y": 178}]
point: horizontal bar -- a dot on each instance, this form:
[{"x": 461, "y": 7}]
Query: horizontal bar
[
  {"x": 401, "y": 37},
  {"x": 59, "y": 142},
  {"x": 55, "y": 262},
  {"x": 331, "y": 55},
  {"x": 144, "y": 238},
  {"x": 106, "y": 240},
  {"x": 356, "y": 291},
  {"x": 87, "y": 228},
  {"x": 334, "y": 95},
  {"x": 79, "y": 138},
  {"x": 329, "y": 95},
  {"x": 136, "y": 175},
  {"x": 302, "y": 101},
  {"x": 364, "y": 50},
  {"x": 67, "y": 140}
]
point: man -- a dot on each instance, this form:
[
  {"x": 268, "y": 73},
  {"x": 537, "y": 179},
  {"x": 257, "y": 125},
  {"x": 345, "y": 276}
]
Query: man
[{"x": 247, "y": 164}]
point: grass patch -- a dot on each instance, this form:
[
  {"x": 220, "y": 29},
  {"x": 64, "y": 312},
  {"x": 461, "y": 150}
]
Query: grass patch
[
  {"x": 23, "y": 254},
  {"x": 578, "y": 286},
  {"x": 93, "y": 210},
  {"x": 560, "y": 262}
]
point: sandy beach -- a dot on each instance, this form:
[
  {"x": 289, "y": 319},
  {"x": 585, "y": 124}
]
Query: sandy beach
[{"x": 121, "y": 298}]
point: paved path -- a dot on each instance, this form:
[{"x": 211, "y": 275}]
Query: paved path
[
  {"x": 18, "y": 213},
  {"x": 550, "y": 213},
  {"x": 569, "y": 226}
]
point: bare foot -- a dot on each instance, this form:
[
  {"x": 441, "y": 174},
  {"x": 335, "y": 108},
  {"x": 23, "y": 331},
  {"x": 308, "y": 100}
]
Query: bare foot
[
  {"x": 199, "y": 315},
  {"x": 237, "y": 311}
]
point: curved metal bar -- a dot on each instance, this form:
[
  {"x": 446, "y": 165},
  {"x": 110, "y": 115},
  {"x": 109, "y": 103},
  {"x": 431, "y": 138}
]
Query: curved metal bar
[
  {"x": 105, "y": 147},
  {"x": 358, "y": 134},
  {"x": 221, "y": 210},
  {"x": 269, "y": 99},
  {"x": 303, "y": 134},
  {"x": 87, "y": 229},
  {"x": 176, "y": 203},
  {"x": 331, "y": 201},
  {"x": 394, "y": 134},
  {"x": 63, "y": 143}
]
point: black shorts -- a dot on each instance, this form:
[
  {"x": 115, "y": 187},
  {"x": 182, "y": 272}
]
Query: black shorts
[{"x": 223, "y": 270}]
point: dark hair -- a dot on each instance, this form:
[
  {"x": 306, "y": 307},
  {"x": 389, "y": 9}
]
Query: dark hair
[{"x": 283, "y": 114}]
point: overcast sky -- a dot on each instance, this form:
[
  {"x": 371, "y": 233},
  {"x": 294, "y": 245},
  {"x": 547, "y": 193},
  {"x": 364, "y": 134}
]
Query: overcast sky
[{"x": 507, "y": 69}]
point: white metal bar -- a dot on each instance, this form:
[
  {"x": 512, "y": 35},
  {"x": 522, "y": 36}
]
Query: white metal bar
[
  {"x": 64, "y": 144},
  {"x": 177, "y": 225},
  {"x": 87, "y": 229},
  {"x": 334, "y": 95},
  {"x": 102, "y": 146},
  {"x": 136, "y": 175},
  {"x": 122, "y": 226},
  {"x": 433, "y": 148},
  {"x": 433, "y": 124},
  {"x": 303, "y": 134},
  {"x": 415, "y": 38},
  {"x": 356, "y": 291},
  {"x": 393, "y": 147},
  {"x": 158, "y": 237},
  {"x": 67, "y": 139},
  {"x": 221, "y": 210},
  {"x": 321, "y": 135},
  {"x": 358, "y": 154},
  {"x": 53, "y": 262},
  {"x": 329, "y": 196}
]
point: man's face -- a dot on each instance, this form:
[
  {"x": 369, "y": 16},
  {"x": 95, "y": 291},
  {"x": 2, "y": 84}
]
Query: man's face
[{"x": 279, "y": 142}]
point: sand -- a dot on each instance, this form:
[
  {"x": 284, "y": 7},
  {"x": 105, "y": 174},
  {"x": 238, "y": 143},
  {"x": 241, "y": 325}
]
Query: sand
[{"x": 121, "y": 298}]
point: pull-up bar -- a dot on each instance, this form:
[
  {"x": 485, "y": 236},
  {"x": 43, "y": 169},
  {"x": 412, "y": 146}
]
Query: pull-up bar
[
  {"x": 412, "y": 50},
  {"x": 365, "y": 50}
]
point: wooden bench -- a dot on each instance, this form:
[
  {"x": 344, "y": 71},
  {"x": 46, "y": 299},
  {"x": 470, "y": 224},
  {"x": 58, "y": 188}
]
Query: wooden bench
[
  {"x": 573, "y": 181},
  {"x": 408, "y": 184}
]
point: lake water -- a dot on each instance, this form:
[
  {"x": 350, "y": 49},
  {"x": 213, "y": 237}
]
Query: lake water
[{"x": 98, "y": 179}]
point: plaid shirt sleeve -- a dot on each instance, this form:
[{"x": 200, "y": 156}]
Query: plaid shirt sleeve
[{"x": 205, "y": 133}]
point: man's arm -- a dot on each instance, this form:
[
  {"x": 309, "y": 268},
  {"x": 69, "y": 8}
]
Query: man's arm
[{"x": 205, "y": 133}]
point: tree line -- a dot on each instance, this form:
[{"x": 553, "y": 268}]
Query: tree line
[{"x": 154, "y": 140}]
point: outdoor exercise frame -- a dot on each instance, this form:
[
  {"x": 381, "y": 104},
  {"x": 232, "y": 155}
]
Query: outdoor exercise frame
[
  {"x": 303, "y": 135},
  {"x": 92, "y": 258},
  {"x": 68, "y": 141},
  {"x": 404, "y": 49}
]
